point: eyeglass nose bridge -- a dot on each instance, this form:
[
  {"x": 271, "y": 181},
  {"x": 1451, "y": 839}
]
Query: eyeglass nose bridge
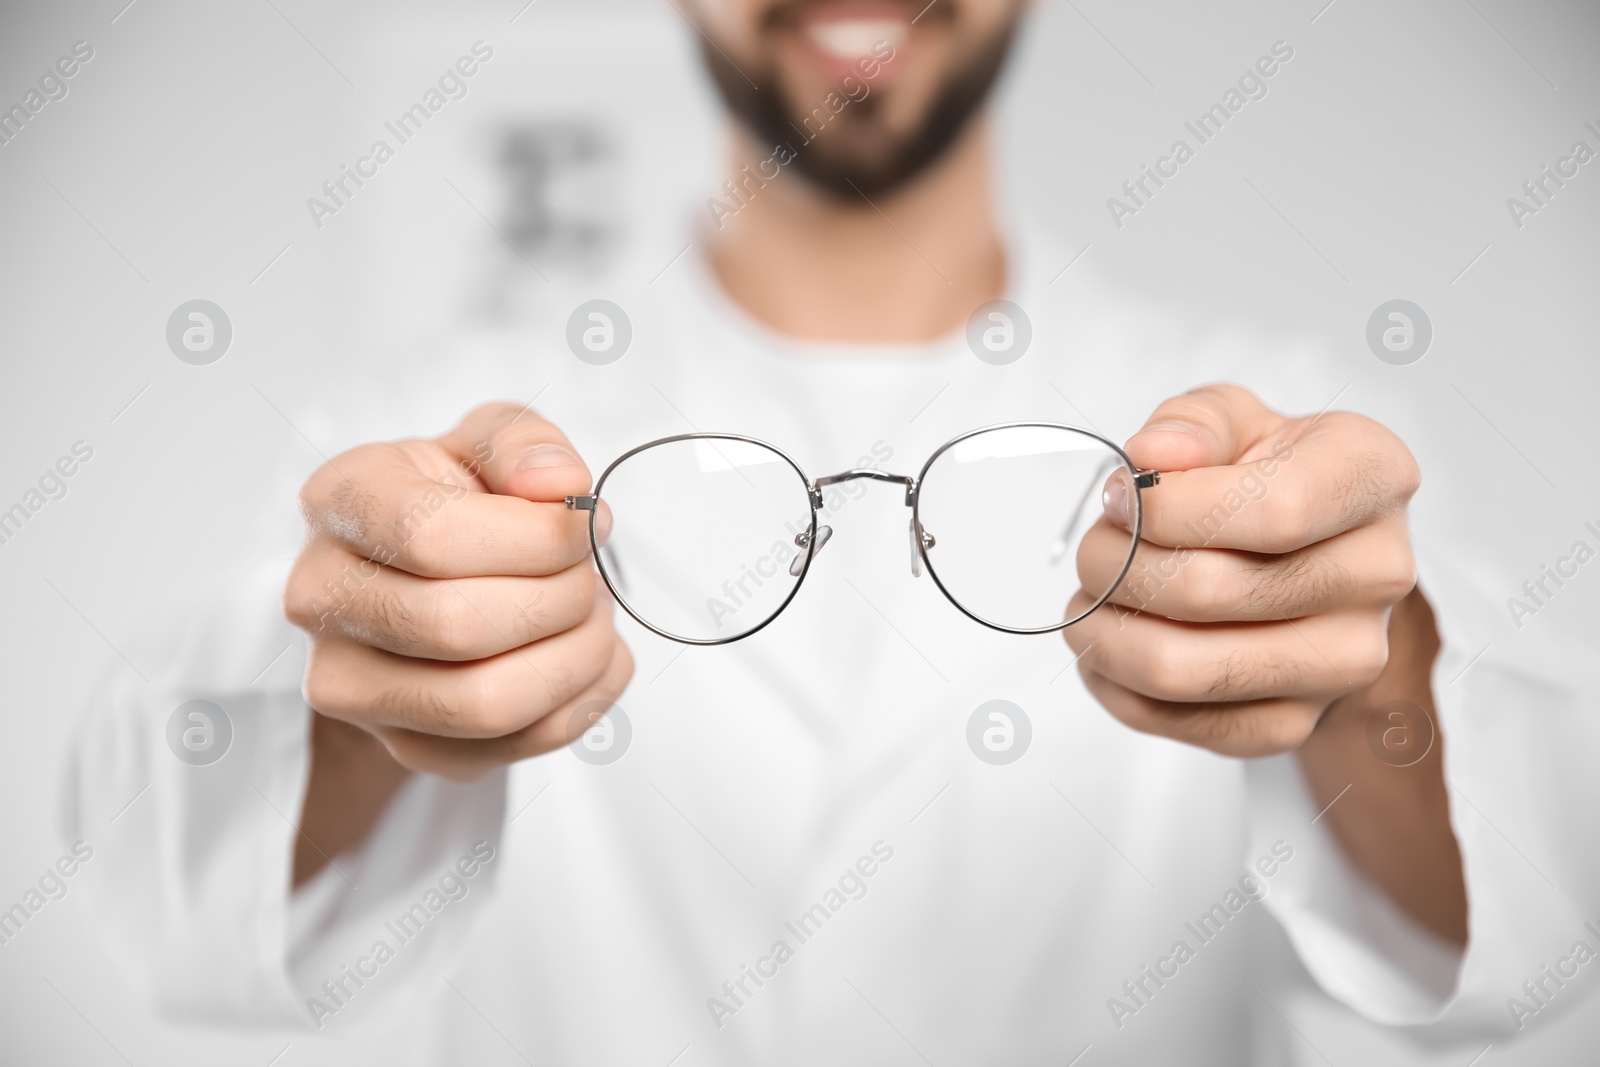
[{"x": 873, "y": 474}]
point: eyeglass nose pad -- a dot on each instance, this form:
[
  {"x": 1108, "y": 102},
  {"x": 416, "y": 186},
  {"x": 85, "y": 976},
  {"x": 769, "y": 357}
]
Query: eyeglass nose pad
[
  {"x": 918, "y": 534},
  {"x": 801, "y": 540}
]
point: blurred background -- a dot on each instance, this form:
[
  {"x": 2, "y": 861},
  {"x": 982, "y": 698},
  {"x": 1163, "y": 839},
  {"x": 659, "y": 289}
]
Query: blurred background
[{"x": 179, "y": 163}]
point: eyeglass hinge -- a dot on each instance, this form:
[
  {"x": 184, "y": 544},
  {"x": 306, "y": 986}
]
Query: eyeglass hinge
[
  {"x": 580, "y": 503},
  {"x": 1145, "y": 479}
]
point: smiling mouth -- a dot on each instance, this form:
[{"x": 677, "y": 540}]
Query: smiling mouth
[
  {"x": 845, "y": 30},
  {"x": 853, "y": 38}
]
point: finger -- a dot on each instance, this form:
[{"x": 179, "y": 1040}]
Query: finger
[
  {"x": 381, "y": 503},
  {"x": 517, "y": 453},
  {"x": 1246, "y": 730},
  {"x": 1205, "y": 427},
  {"x": 446, "y": 619},
  {"x": 1325, "y": 476},
  {"x": 1316, "y": 658},
  {"x": 1371, "y": 566},
  {"x": 488, "y": 698},
  {"x": 466, "y": 759}
]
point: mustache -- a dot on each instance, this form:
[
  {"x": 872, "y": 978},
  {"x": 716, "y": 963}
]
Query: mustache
[{"x": 786, "y": 14}]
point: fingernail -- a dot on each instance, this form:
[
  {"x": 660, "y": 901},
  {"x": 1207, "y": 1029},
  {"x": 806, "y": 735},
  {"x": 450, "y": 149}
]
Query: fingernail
[
  {"x": 546, "y": 456},
  {"x": 1175, "y": 426},
  {"x": 1115, "y": 501},
  {"x": 602, "y": 525}
]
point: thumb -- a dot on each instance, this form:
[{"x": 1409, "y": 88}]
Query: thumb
[
  {"x": 517, "y": 453},
  {"x": 1211, "y": 426}
]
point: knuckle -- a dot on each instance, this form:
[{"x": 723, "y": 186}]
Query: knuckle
[
  {"x": 559, "y": 545},
  {"x": 521, "y": 433},
  {"x": 1216, "y": 729},
  {"x": 495, "y": 705},
  {"x": 1287, "y": 515},
  {"x": 454, "y": 626},
  {"x": 1206, "y": 586},
  {"x": 298, "y": 606},
  {"x": 1199, "y": 406},
  {"x": 1409, "y": 475},
  {"x": 1395, "y": 468},
  {"x": 1368, "y": 653},
  {"x": 1361, "y": 487},
  {"x": 1403, "y": 473},
  {"x": 1323, "y": 583},
  {"x": 1397, "y": 577},
  {"x": 348, "y": 510},
  {"x": 524, "y": 433},
  {"x": 309, "y": 501},
  {"x": 394, "y": 618},
  {"x": 317, "y": 492},
  {"x": 532, "y": 620},
  {"x": 1296, "y": 584},
  {"x": 407, "y": 749},
  {"x": 480, "y": 711},
  {"x": 1095, "y": 660},
  {"x": 428, "y": 548},
  {"x": 421, "y": 753},
  {"x": 1229, "y": 675},
  {"x": 1169, "y": 671},
  {"x": 556, "y": 684},
  {"x": 1251, "y": 674},
  {"x": 1225, "y": 392},
  {"x": 1348, "y": 422},
  {"x": 1259, "y": 591},
  {"x": 319, "y": 687},
  {"x": 556, "y": 604},
  {"x": 1141, "y": 585},
  {"x": 1287, "y": 729},
  {"x": 514, "y": 747},
  {"x": 422, "y": 707}
]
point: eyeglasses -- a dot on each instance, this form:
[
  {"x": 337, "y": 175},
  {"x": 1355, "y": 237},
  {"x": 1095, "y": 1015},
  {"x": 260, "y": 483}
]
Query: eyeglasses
[{"x": 713, "y": 533}]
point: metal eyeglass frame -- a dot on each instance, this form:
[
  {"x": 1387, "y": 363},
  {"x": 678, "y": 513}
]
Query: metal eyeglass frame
[{"x": 921, "y": 540}]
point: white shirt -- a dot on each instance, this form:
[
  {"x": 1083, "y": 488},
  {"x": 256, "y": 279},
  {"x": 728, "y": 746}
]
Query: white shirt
[{"x": 973, "y": 913}]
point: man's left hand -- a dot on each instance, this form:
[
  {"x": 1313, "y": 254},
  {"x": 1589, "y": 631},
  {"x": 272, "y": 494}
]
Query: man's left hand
[{"x": 1272, "y": 552}]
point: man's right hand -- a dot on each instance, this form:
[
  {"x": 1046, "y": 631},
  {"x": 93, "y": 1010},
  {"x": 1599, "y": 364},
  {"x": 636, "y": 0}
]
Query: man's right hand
[{"x": 453, "y": 611}]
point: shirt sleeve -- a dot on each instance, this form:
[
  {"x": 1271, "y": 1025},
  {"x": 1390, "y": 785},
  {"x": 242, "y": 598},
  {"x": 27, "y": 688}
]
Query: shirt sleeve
[
  {"x": 198, "y": 906},
  {"x": 1515, "y": 721}
]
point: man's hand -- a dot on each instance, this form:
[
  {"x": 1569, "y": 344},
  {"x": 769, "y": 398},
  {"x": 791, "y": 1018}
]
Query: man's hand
[
  {"x": 453, "y": 611},
  {"x": 1273, "y": 550},
  {"x": 1271, "y": 606}
]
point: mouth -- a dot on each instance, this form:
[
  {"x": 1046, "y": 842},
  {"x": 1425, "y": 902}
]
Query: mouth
[
  {"x": 839, "y": 35},
  {"x": 851, "y": 37}
]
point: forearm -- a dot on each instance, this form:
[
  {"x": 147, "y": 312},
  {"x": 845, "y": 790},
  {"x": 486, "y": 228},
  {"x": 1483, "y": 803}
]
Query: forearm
[
  {"x": 353, "y": 779},
  {"x": 1393, "y": 823}
]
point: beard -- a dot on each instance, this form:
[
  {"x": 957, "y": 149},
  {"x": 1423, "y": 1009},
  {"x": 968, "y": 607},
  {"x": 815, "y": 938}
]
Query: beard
[{"x": 859, "y": 157}]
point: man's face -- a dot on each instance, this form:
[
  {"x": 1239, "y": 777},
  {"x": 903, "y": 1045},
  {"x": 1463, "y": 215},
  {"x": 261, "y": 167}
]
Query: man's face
[{"x": 867, "y": 93}]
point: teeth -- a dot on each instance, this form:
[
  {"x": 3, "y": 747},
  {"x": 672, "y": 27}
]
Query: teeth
[{"x": 854, "y": 38}]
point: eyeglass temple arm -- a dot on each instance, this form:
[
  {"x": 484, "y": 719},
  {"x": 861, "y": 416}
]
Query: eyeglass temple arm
[{"x": 1142, "y": 479}]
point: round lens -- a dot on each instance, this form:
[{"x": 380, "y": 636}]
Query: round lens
[
  {"x": 1006, "y": 515},
  {"x": 708, "y": 535}
]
